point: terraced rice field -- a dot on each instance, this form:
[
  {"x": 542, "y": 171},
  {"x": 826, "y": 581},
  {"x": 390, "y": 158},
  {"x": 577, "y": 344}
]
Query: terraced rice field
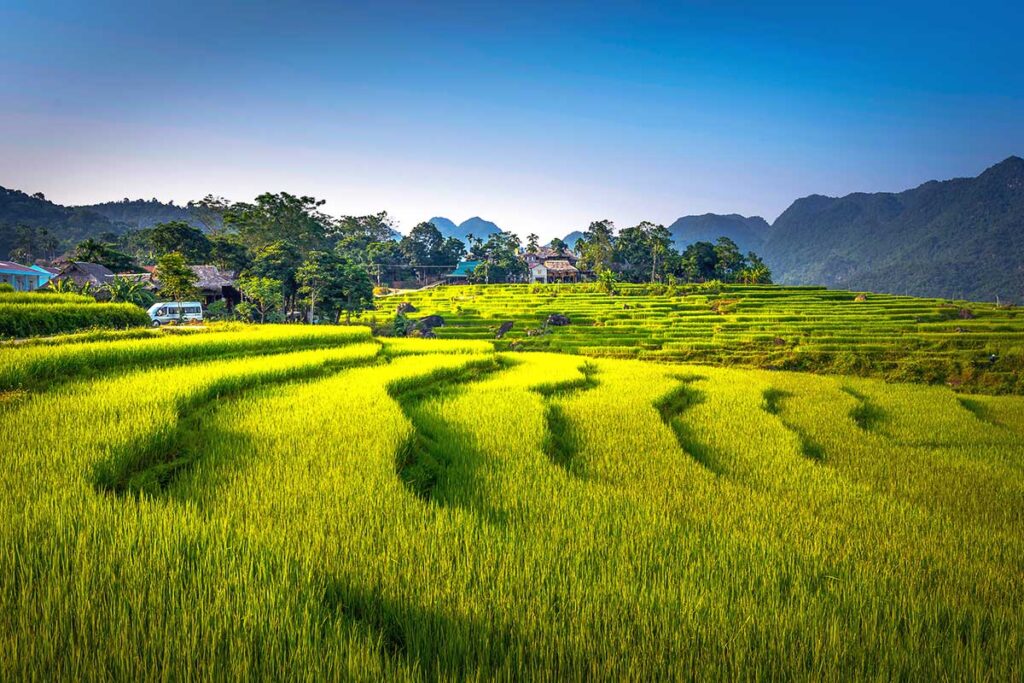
[
  {"x": 314, "y": 503},
  {"x": 978, "y": 346},
  {"x": 42, "y": 312}
]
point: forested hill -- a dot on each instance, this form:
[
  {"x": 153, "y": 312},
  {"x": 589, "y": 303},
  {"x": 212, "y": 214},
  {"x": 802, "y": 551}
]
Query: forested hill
[
  {"x": 65, "y": 225},
  {"x": 748, "y": 233},
  {"x": 142, "y": 213},
  {"x": 961, "y": 238}
]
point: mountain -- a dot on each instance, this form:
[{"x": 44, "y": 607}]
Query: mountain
[
  {"x": 961, "y": 238},
  {"x": 748, "y": 233},
  {"x": 475, "y": 226},
  {"x": 571, "y": 238},
  {"x": 66, "y": 225},
  {"x": 140, "y": 213}
]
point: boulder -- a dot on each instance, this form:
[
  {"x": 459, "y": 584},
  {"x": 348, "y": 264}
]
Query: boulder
[
  {"x": 430, "y": 322},
  {"x": 558, "y": 320},
  {"x": 966, "y": 314},
  {"x": 406, "y": 307},
  {"x": 503, "y": 330}
]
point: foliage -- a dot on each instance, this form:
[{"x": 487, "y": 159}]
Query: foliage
[
  {"x": 177, "y": 280},
  {"x": 263, "y": 295},
  {"x": 103, "y": 253},
  {"x": 128, "y": 291},
  {"x": 499, "y": 256}
]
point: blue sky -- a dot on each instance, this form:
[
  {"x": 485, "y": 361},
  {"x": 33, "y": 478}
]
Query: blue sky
[{"x": 539, "y": 116}]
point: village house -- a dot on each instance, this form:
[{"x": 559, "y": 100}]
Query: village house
[
  {"x": 82, "y": 274},
  {"x": 213, "y": 284},
  {"x": 551, "y": 265},
  {"x": 216, "y": 285},
  {"x": 23, "y": 278},
  {"x": 460, "y": 275}
]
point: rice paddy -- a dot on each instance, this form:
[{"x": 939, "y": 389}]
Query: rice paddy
[
  {"x": 292, "y": 502},
  {"x": 979, "y": 347}
]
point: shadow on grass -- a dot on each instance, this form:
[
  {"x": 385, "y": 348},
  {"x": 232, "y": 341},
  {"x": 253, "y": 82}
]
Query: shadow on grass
[
  {"x": 772, "y": 404},
  {"x": 153, "y": 464},
  {"x": 561, "y": 443},
  {"x": 866, "y": 414},
  {"x": 435, "y": 463},
  {"x": 671, "y": 408}
]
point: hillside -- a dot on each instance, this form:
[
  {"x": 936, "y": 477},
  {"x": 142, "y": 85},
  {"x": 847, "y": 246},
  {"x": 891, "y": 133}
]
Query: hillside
[
  {"x": 142, "y": 213},
  {"x": 959, "y": 238},
  {"x": 66, "y": 225},
  {"x": 791, "y": 328},
  {"x": 69, "y": 225},
  {"x": 476, "y": 226},
  {"x": 749, "y": 233}
]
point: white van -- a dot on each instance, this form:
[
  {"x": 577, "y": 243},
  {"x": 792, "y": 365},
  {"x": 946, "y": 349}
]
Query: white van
[{"x": 164, "y": 312}]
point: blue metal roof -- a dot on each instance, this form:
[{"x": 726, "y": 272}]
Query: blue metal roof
[{"x": 464, "y": 268}]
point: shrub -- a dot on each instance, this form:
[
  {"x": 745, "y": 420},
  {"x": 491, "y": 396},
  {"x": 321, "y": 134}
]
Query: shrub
[{"x": 33, "y": 320}]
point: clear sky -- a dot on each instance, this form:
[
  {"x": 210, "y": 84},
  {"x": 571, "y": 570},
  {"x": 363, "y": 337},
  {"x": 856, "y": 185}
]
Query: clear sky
[{"x": 538, "y": 116}]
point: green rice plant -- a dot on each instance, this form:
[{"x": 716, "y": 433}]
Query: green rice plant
[{"x": 429, "y": 509}]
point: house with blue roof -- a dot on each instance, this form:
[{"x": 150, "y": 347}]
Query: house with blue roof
[
  {"x": 462, "y": 272},
  {"x": 23, "y": 278}
]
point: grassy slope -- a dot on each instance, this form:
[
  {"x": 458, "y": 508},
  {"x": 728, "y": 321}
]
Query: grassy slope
[
  {"x": 794, "y": 328},
  {"x": 581, "y": 519}
]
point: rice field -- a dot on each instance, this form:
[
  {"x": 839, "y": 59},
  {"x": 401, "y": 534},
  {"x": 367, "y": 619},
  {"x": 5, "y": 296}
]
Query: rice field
[
  {"x": 976, "y": 346},
  {"x": 290, "y": 502},
  {"x": 43, "y": 312}
]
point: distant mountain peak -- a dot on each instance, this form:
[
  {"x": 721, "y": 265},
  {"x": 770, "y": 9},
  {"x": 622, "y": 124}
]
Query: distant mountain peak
[{"x": 475, "y": 226}]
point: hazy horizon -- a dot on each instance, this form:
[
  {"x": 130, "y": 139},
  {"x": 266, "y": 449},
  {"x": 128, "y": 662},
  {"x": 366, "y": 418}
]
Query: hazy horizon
[{"x": 537, "y": 117}]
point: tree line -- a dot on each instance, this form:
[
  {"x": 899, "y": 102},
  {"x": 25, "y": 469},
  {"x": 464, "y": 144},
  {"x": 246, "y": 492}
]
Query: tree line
[{"x": 291, "y": 257}]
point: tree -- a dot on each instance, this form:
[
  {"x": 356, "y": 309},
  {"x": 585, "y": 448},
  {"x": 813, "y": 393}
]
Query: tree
[
  {"x": 209, "y": 211},
  {"x": 729, "y": 259},
  {"x": 500, "y": 256},
  {"x": 659, "y": 240},
  {"x": 756, "y": 272},
  {"x": 129, "y": 291},
  {"x": 177, "y": 280},
  {"x": 279, "y": 261},
  {"x": 181, "y": 237},
  {"x": 228, "y": 253},
  {"x": 103, "y": 253},
  {"x": 354, "y": 290},
  {"x": 606, "y": 281},
  {"x": 280, "y": 217},
  {"x": 425, "y": 246},
  {"x": 559, "y": 245},
  {"x": 532, "y": 243},
  {"x": 699, "y": 262},
  {"x": 597, "y": 246},
  {"x": 316, "y": 277},
  {"x": 263, "y": 295}
]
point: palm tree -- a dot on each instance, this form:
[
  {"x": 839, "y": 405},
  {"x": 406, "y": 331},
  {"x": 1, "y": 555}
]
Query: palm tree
[
  {"x": 129, "y": 291},
  {"x": 90, "y": 251}
]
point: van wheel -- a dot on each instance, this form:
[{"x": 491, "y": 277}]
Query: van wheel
[{"x": 155, "y": 323}]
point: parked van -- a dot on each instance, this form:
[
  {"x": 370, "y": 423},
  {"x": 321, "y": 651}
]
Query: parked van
[{"x": 164, "y": 312}]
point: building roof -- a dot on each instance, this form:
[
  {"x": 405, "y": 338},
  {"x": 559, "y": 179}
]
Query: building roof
[
  {"x": 560, "y": 268},
  {"x": 210, "y": 277},
  {"x": 95, "y": 272},
  {"x": 547, "y": 253},
  {"x": 464, "y": 268},
  {"x": 16, "y": 269}
]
